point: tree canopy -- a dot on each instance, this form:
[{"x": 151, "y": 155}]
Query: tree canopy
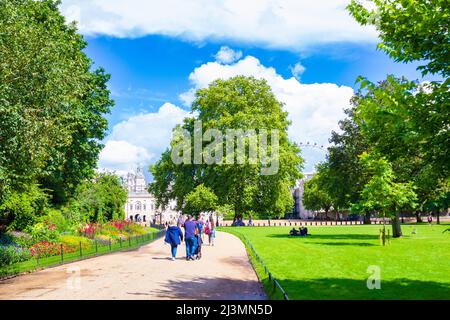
[
  {"x": 52, "y": 103},
  {"x": 240, "y": 103}
]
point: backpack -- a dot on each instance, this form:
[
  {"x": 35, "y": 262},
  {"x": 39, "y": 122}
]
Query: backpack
[
  {"x": 207, "y": 230},
  {"x": 200, "y": 225}
]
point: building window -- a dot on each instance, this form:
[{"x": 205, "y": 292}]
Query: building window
[{"x": 138, "y": 206}]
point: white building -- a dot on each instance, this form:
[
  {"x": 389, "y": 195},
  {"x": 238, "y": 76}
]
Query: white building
[
  {"x": 141, "y": 205},
  {"x": 299, "y": 210}
]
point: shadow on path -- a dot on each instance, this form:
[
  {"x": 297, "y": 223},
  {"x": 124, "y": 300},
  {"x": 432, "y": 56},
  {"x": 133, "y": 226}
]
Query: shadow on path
[{"x": 210, "y": 289}]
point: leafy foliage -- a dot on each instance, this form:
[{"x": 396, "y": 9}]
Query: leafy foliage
[
  {"x": 52, "y": 108},
  {"x": 315, "y": 196},
  {"x": 410, "y": 30},
  {"x": 238, "y": 103},
  {"x": 201, "y": 199},
  {"x": 100, "y": 199},
  {"x": 382, "y": 194}
]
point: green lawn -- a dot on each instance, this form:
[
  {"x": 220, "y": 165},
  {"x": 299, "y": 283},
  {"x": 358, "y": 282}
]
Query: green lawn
[{"x": 332, "y": 263}]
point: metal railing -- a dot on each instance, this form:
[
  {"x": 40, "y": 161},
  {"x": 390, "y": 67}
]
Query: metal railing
[
  {"x": 286, "y": 223},
  {"x": 83, "y": 251},
  {"x": 276, "y": 284}
]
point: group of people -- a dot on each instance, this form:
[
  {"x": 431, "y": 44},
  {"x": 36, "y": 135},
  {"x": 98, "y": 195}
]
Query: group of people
[
  {"x": 194, "y": 231},
  {"x": 302, "y": 231}
]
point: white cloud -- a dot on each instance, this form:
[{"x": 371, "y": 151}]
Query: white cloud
[
  {"x": 140, "y": 139},
  {"x": 289, "y": 24},
  {"x": 297, "y": 70},
  {"x": 314, "y": 109},
  {"x": 122, "y": 156},
  {"x": 227, "y": 55}
]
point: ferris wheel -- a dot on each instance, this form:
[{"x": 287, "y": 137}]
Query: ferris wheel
[{"x": 313, "y": 145}]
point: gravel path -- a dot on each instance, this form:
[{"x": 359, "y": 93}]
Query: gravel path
[{"x": 224, "y": 272}]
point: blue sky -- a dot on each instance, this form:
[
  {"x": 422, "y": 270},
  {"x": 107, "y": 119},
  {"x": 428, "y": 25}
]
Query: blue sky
[
  {"x": 148, "y": 71},
  {"x": 159, "y": 53}
]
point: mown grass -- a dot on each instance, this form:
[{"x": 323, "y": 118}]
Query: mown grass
[{"x": 333, "y": 262}]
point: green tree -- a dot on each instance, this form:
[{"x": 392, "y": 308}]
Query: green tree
[
  {"x": 383, "y": 194},
  {"x": 51, "y": 103},
  {"x": 391, "y": 115},
  {"x": 410, "y": 121},
  {"x": 410, "y": 30},
  {"x": 99, "y": 199},
  {"x": 201, "y": 199},
  {"x": 315, "y": 196},
  {"x": 247, "y": 104},
  {"x": 343, "y": 174}
]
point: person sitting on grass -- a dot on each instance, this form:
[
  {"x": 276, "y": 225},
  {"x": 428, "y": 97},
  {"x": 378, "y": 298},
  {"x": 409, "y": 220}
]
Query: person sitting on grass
[
  {"x": 293, "y": 232},
  {"x": 304, "y": 231}
]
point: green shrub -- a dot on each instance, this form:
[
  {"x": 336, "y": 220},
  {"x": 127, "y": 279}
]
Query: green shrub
[
  {"x": 44, "y": 232},
  {"x": 21, "y": 208},
  {"x": 56, "y": 218},
  {"x": 10, "y": 254}
]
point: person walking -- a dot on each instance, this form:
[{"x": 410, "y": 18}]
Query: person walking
[
  {"x": 174, "y": 237},
  {"x": 200, "y": 226},
  {"x": 211, "y": 231},
  {"x": 430, "y": 219},
  {"x": 190, "y": 230}
]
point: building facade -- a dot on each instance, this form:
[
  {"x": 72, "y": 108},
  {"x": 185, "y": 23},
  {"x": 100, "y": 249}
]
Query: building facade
[
  {"x": 299, "y": 211},
  {"x": 141, "y": 205}
]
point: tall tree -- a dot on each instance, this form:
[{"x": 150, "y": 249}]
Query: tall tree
[
  {"x": 239, "y": 103},
  {"x": 315, "y": 195},
  {"x": 345, "y": 175},
  {"x": 383, "y": 194},
  {"x": 414, "y": 31},
  {"x": 51, "y": 103}
]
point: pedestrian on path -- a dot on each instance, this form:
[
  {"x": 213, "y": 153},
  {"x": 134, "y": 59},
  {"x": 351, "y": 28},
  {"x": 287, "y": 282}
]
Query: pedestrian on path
[
  {"x": 174, "y": 236},
  {"x": 200, "y": 226},
  {"x": 211, "y": 230},
  {"x": 190, "y": 230}
]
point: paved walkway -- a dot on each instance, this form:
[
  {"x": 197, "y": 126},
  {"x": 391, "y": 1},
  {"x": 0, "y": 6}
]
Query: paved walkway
[{"x": 224, "y": 272}]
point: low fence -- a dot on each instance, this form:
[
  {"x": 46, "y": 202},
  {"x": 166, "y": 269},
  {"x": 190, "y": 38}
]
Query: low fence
[
  {"x": 274, "y": 282},
  {"x": 94, "y": 249},
  {"x": 286, "y": 223}
]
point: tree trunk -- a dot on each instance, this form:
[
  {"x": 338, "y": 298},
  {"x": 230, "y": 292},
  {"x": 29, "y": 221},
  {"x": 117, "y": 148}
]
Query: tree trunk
[
  {"x": 367, "y": 218},
  {"x": 418, "y": 217},
  {"x": 437, "y": 217},
  {"x": 236, "y": 215},
  {"x": 396, "y": 227}
]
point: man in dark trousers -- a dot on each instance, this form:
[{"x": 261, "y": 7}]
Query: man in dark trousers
[{"x": 190, "y": 230}]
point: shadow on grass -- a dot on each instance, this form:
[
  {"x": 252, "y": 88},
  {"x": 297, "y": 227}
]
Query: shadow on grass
[
  {"x": 341, "y": 289},
  {"x": 202, "y": 288},
  {"x": 329, "y": 236},
  {"x": 340, "y": 243}
]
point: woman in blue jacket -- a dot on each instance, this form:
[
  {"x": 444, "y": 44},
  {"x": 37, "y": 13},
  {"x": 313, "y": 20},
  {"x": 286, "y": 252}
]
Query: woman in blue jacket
[{"x": 174, "y": 236}]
